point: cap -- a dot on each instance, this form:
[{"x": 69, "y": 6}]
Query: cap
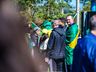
[{"x": 36, "y": 28}]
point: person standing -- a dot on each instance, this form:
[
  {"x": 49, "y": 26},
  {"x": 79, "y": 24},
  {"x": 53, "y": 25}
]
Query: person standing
[
  {"x": 85, "y": 52},
  {"x": 46, "y": 27},
  {"x": 56, "y": 47},
  {"x": 72, "y": 33},
  {"x": 35, "y": 37}
]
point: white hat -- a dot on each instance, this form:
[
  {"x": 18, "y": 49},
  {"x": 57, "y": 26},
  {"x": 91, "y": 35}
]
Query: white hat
[{"x": 36, "y": 28}]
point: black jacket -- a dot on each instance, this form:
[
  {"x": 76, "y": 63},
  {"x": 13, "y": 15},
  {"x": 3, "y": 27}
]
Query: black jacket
[{"x": 56, "y": 43}]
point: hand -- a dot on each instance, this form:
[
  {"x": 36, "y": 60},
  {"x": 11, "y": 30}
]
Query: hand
[{"x": 46, "y": 59}]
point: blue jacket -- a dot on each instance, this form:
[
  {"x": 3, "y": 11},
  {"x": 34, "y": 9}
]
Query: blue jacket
[
  {"x": 56, "y": 43},
  {"x": 85, "y": 55}
]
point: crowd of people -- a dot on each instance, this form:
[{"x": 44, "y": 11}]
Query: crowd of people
[
  {"x": 51, "y": 47},
  {"x": 64, "y": 51},
  {"x": 56, "y": 41}
]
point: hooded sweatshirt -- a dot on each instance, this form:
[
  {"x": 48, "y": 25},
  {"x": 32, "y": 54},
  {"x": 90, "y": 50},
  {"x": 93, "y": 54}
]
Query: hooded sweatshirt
[{"x": 56, "y": 43}]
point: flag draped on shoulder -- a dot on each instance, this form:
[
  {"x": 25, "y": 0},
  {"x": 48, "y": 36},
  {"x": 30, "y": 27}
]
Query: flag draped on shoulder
[{"x": 71, "y": 41}]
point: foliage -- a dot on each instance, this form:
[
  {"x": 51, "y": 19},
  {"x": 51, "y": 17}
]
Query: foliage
[
  {"x": 87, "y": 6},
  {"x": 50, "y": 10}
]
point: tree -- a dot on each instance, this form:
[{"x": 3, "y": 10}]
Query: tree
[
  {"x": 51, "y": 9},
  {"x": 63, "y": 5},
  {"x": 87, "y": 6},
  {"x": 28, "y": 7}
]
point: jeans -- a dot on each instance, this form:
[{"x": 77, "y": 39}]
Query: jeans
[
  {"x": 52, "y": 65},
  {"x": 60, "y": 65}
]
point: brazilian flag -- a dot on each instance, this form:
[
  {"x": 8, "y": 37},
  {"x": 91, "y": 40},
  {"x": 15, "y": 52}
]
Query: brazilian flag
[
  {"x": 72, "y": 33},
  {"x": 33, "y": 25}
]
